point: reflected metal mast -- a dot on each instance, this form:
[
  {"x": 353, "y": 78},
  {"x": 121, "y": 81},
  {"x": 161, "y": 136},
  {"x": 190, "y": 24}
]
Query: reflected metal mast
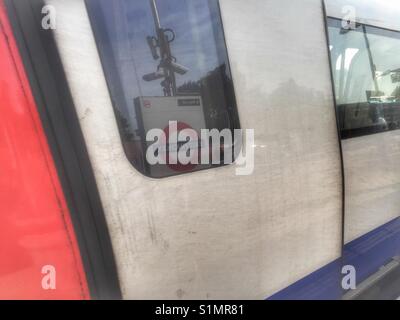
[
  {"x": 371, "y": 61},
  {"x": 161, "y": 49}
]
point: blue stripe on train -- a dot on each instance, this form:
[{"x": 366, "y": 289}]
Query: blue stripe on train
[{"x": 367, "y": 254}]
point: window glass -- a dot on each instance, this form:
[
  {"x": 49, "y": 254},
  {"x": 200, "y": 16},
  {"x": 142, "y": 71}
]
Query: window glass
[
  {"x": 166, "y": 67},
  {"x": 366, "y": 71}
]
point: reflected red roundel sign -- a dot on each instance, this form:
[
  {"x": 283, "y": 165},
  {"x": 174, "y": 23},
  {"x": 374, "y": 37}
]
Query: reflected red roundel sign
[{"x": 179, "y": 167}]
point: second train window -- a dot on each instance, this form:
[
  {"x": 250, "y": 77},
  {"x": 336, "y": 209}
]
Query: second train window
[{"x": 366, "y": 71}]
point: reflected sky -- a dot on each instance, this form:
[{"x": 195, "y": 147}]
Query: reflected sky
[
  {"x": 199, "y": 43},
  {"x": 378, "y": 12}
]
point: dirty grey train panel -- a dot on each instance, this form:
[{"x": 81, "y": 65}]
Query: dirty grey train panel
[
  {"x": 365, "y": 68},
  {"x": 211, "y": 233}
]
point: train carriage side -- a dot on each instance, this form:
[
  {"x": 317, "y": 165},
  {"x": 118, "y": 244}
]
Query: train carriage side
[
  {"x": 211, "y": 233},
  {"x": 207, "y": 232}
]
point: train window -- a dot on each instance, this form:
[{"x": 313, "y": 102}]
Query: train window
[
  {"x": 167, "y": 70},
  {"x": 366, "y": 72}
]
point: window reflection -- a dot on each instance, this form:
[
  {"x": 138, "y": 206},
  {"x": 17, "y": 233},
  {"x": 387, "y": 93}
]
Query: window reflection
[
  {"x": 366, "y": 70},
  {"x": 164, "y": 61}
]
